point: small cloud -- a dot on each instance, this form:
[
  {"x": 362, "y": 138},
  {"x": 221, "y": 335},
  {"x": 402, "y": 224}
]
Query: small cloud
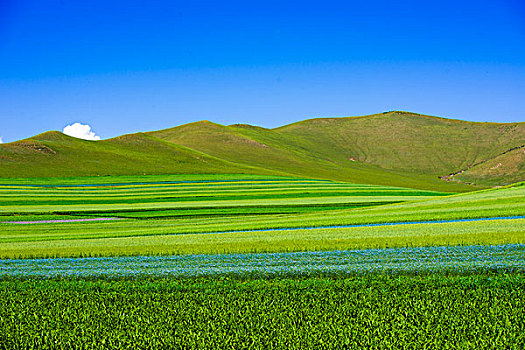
[
  {"x": 81, "y": 131},
  {"x": 1, "y": 141}
]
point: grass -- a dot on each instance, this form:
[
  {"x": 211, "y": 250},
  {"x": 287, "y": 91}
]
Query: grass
[
  {"x": 239, "y": 178},
  {"x": 135, "y": 240},
  {"x": 373, "y": 311},
  {"x": 505, "y": 169},
  {"x": 322, "y": 297},
  {"x": 174, "y": 208},
  {"x": 393, "y": 149},
  {"x": 413, "y": 142}
]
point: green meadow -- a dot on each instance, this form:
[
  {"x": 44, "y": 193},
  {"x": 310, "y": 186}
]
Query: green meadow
[{"x": 395, "y": 230}]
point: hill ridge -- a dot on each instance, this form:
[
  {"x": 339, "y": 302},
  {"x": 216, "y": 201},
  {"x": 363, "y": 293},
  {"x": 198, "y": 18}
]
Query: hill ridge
[
  {"x": 391, "y": 148},
  {"x": 400, "y": 113}
]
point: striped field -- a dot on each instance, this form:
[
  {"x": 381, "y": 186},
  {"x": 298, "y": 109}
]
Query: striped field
[
  {"x": 239, "y": 261},
  {"x": 168, "y": 214}
]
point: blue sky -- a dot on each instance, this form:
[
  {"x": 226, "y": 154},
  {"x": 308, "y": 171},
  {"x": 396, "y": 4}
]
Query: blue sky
[{"x": 128, "y": 66}]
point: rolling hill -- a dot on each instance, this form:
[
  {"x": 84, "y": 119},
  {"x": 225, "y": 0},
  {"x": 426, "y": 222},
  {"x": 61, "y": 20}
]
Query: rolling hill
[
  {"x": 53, "y": 154},
  {"x": 393, "y": 148}
]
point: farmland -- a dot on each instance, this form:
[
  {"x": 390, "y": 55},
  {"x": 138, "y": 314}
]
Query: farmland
[
  {"x": 169, "y": 214},
  {"x": 184, "y": 175},
  {"x": 238, "y": 260},
  {"x": 456, "y": 259},
  {"x": 175, "y": 205},
  {"x": 371, "y": 311}
]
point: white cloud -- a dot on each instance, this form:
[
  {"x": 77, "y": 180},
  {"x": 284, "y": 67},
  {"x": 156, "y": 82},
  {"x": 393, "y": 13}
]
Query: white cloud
[
  {"x": 81, "y": 131},
  {"x": 1, "y": 141}
]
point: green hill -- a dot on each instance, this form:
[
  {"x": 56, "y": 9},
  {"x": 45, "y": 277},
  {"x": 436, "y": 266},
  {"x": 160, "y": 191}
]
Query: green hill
[
  {"x": 54, "y": 154},
  {"x": 271, "y": 149},
  {"x": 408, "y": 141},
  {"x": 394, "y": 148}
]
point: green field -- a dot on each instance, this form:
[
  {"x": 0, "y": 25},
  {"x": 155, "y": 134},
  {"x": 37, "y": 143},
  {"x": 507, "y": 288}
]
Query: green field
[
  {"x": 375, "y": 312},
  {"x": 179, "y": 248},
  {"x": 168, "y": 214}
]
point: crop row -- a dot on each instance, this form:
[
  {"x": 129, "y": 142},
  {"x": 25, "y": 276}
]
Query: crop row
[
  {"x": 172, "y": 215},
  {"x": 140, "y": 179},
  {"x": 508, "y": 258}
]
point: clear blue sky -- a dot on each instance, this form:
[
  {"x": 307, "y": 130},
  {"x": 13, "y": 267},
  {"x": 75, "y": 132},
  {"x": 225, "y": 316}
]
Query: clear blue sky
[{"x": 128, "y": 66}]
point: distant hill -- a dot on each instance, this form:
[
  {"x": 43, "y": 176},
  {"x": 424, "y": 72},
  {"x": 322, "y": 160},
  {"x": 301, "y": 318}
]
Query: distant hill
[
  {"x": 53, "y": 154},
  {"x": 394, "y": 148},
  {"x": 408, "y": 141}
]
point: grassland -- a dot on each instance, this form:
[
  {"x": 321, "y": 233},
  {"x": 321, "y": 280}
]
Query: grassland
[
  {"x": 508, "y": 167},
  {"x": 320, "y": 234},
  {"x": 392, "y": 149}
]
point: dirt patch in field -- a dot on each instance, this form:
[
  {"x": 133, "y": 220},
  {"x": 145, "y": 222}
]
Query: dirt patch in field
[
  {"x": 255, "y": 143},
  {"x": 33, "y": 146}
]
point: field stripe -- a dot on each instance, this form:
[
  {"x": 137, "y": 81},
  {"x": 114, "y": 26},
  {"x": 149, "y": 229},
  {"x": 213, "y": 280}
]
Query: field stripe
[
  {"x": 370, "y": 225},
  {"x": 59, "y": 221},
  {"x": 284, "y": 228},
  {"x": 507, "y": 258},
  {"x": 162, "y": 183}
]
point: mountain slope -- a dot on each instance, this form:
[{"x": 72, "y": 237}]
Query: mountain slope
[
  {"x": 503, "y": 169},
  {"x": 408, "y": 141},
  {"x": 54, "y": 154},
  {"x": 272, "y": 149},
  {"x": 376, "y": 148},
  {"x": 394, "y": 148}
]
